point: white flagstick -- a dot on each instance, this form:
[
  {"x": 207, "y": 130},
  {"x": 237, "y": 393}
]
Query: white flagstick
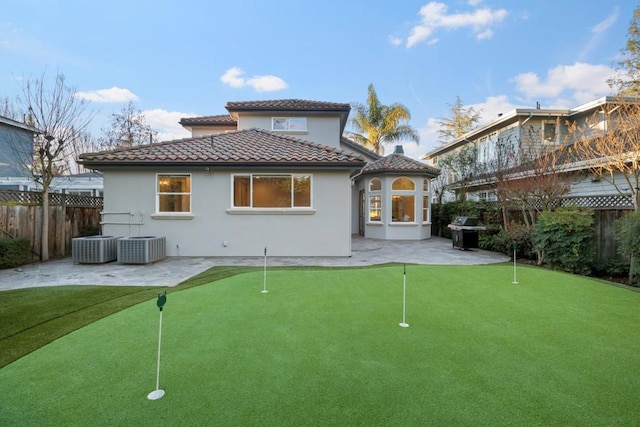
[
  {"x": 264, "y": 289},
  {"x": 158, "y": 393},
  {"x": 515, "y": 278},
  {"x": 404, "y": 324}
]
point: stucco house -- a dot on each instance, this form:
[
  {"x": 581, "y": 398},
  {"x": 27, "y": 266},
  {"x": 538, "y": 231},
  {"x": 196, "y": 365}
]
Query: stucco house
[
  {"x": 514, "y": 138},
  {"x": 277, "y": 174}
]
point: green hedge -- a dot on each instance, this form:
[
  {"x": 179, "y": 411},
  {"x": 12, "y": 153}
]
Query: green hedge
[
  {"x": 14, "y": 253},
  {"x": 566, "y": 238},
  {"x": 501, "y": 240},
  {"x": 628, "y": 240}
]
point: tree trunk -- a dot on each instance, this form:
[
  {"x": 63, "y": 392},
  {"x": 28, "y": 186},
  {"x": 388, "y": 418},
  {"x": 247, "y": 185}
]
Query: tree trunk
[{"x": 44, "y": 238}]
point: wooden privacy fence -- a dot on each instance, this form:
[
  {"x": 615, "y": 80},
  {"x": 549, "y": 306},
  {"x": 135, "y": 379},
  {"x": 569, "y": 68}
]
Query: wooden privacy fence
[{"x": 69, "y": 216}]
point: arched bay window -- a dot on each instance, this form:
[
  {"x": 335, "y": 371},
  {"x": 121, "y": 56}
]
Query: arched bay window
[
  {"x": 426, "y": 212},
  {"x": 375, "y": 200},
  {"x": 403, "y": 200}
]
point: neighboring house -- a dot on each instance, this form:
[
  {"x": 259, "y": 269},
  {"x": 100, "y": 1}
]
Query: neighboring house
[
  {"x": 513, "y": 139},
  {"x": 272, "y": 174},
  {"x": 16, "y": 143}
]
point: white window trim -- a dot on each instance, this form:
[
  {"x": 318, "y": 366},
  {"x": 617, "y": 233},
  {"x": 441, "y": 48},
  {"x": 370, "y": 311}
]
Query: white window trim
[
  {"x": 288, "y": 129},
  {"x": 426, "y": 193},
  {"x": 369, "y": 196},
  {"x": 405, "y": 193},
  {"x": 173, "y": 214},
  {"x": 557, "y": 132},
  {"x": 277, "y": 210}
]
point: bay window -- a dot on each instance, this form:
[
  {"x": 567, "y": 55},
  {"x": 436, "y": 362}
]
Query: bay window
[
  {"x": 403, "y": 200},
  {"x": 375, "y": 200}
]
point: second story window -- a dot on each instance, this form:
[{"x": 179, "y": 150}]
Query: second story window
[
  {"x": 290, "y": 124},
  {"x": 549, "y": 132}
]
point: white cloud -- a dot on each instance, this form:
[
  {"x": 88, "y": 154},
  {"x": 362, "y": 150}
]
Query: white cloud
[
  {"x": 607, "y": 22},
  {"x": 113, "y": 95},
  {"x": 232, "y": 77},
  {"x": 167, "y": 123},
  {"x": 597, "y": 32},
  {"x": 492, "y": 107},
  {"x": 486, "y": 34},
  {"x": 428, "y": 136},
  {"x": 435, "y": 16},
  {"x": 580, "y": 82},
  {"x": 474, "y": 2},
  {"x": 395, "y": 41},
  {"x": 269, "y": 83}
]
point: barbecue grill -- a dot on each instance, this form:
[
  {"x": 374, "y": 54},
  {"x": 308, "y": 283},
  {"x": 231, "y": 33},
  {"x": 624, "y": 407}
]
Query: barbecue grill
[{"x": 465, "y": 231}]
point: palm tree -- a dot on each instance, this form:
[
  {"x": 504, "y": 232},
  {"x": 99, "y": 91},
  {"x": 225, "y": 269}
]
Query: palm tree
[{"x": 378, "y": 124}]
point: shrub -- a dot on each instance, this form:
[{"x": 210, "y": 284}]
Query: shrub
[
  {"x": 503, "y": 241},
  {"x": 443, "y": 214},
  {"x": 566, "y": 239},
  {"x": 628, "y": 241},
  {"x": 610, "y": 268},
  {"x": 89, "y": 230},
  {"x": 14, "y": 252}
]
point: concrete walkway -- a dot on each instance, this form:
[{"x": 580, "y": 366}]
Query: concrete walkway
[{"x": 174, "y": 270}]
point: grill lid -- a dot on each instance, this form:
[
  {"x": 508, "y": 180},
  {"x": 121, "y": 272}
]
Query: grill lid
[{"x": 468, "y": 221}]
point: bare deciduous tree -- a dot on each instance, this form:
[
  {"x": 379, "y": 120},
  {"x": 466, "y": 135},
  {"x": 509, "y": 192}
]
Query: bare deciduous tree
[
  {"x": 59, "y": 117},
  {"x": 609, "y": 146},
  {"x": 128, "y": 128}
]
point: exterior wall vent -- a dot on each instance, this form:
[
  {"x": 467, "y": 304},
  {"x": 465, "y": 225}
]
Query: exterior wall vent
[
  {"x": 94, "y": 249},
  {"x": 141, "y": 250}
]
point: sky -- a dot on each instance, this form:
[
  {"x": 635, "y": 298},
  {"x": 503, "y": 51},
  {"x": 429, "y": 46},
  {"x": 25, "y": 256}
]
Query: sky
[{"x": 189, "y": 58}]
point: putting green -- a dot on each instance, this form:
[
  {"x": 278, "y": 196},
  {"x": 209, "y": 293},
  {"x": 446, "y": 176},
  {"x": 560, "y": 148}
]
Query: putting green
[{"x": 324, "y": 347}]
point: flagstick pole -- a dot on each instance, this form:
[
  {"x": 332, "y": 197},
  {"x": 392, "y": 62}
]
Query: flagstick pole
[
  {"x": 404, "y": 324},
  {"x": 264, "y": 289},
  {"x": 158, "y": 393},
  {"x": 159, "y": 344},
  {"x": 515, "y": 278}
]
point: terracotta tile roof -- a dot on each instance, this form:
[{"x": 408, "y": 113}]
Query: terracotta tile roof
[
  {"x": 222, "y": 119},
  {"x": 399, "y": 163},
  {"x": 357, "y": 147},
  {"x": 287, "y": 105},
  {"x": 251, "y": 147}
]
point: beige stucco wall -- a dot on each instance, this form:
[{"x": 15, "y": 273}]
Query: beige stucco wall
[
  {"x": 321, "y": 129},
  {"x": 211, "y": 130},
  {"x": 214, "y": 229},
  {"x": 386, "y": 229}
]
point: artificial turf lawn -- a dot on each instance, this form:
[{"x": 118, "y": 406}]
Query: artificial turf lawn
[{"x": 323, "y": 347}]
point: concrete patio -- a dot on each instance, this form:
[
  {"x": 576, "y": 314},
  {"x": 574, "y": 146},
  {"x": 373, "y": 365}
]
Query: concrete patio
[{"x": 174, "y": 270}]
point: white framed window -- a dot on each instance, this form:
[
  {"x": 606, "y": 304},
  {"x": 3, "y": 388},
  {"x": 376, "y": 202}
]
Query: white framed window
[
  {"x": 271, "y": 191},
  {"x": 549, "y": 132},
  {"x": 375, "y": 200},
  {"x": 403, "y": 200},
  {"x": 375, "y": 184},
  {"x": 375, "y": 208},
  {"x": 289, "y": 124},
  {"x": 173, "y": 193},
  {"x": 426, "y": 211}
]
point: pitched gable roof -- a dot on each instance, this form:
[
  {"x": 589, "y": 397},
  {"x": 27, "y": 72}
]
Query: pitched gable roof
[
  {"x": 284, "y": 106},
  {"x": 287, "y": 105},
  {"x": 221, "y": 119},
  {"x": 399, "y": 163},
  {"x": 251, "y": 147}
]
